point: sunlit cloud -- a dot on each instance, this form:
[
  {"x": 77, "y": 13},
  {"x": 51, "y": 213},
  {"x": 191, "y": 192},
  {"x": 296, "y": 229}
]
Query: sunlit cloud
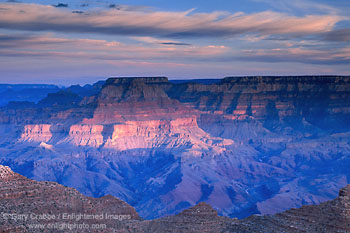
[
  {"x": 53, "y": 47},
  {"x": 101, "y": 39},
  {"x": 34, "y": 17}
]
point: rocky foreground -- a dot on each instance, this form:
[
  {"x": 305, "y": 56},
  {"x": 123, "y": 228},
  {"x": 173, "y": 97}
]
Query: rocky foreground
[
  {"x": 25, "y": 203},
  {"x": 31, "y": 206}
]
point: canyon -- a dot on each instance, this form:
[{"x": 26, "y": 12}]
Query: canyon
[
  {"x": 244, "y": 145},
  {"x": 25, "y": 93}
]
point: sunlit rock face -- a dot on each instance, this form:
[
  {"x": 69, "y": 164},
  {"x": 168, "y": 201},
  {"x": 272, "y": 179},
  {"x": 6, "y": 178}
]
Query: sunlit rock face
[
  {"x": 85, "y": 135},
  {"x": 167, "y": 134},
  {"x": 36, "y": 133},
  {"x": 245, "y": 145},
  {"x": 137, "y": 99}
]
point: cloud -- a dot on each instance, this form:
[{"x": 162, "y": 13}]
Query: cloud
[
  {"x": 174, "y": 43},
  {"x": 340, "y": 35},
  {"x": 300, "y": 6},
  {"x": 61, "y": 5},
  {"x": 146, "y": 38},
  {"x": 49, "y": 47},
  {"x": 30, "y": 41},
  {"x": 34, "y": 17},
  {"x": 152, "y": 40},
  {"x": 114, "y": 6},
  {"x": 298, "y": 55},
  {"x": 78, "y": 12}
]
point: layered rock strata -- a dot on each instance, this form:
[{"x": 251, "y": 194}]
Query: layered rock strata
[{"x": 245, "y": 145}]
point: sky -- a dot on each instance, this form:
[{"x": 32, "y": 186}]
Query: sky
[{"x": 83, "y": 41}]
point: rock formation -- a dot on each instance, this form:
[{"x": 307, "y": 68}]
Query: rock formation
[
  {"x": 36, "y": 133},
  {"x": 24, "y": 204},
  {"x": 31, "y": 206},
  {"x": 245, "y": 145},
  {"x": 330, "y": 216}
]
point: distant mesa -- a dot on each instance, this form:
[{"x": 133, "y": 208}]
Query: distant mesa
[
  {"x": 148, "y": 80},
  {"x": 287, "y": 79}
]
